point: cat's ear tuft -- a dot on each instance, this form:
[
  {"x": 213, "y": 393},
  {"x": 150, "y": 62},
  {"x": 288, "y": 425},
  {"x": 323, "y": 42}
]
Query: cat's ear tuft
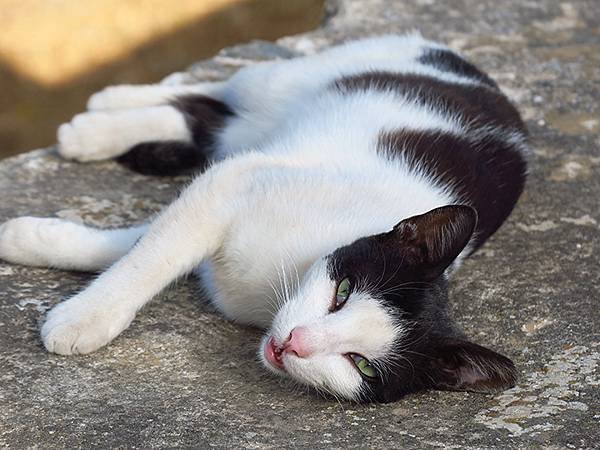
[
  {"x": 460, "y": 365},
  {"x": 433, "y": 240}
]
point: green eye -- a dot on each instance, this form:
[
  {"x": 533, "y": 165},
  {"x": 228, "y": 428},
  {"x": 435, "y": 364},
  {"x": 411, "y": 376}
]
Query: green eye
[
  {"x": 363, "y": 365},
  {"x": 342, "y": 294}
]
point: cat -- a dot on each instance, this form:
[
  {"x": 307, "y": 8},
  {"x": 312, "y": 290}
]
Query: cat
[{"x": 333, "y": 197}]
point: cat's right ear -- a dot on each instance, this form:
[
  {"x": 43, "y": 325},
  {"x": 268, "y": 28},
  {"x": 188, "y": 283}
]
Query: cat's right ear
[
  {"x": 459, "y": 365},
  {"x": 430, "y": 242}
]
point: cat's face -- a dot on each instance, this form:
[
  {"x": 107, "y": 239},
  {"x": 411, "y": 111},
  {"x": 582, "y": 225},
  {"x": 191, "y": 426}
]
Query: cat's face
[{"x": 370, "y": 323}]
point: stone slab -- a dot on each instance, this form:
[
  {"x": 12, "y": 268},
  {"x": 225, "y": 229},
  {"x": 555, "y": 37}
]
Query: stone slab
[{"x": 181, "y": 376}]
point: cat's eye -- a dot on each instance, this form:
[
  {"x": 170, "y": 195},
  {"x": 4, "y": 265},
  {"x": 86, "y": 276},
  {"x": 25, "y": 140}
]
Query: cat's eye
[
  {"x": 363, "y": 365},
  {"x": 342, "y": 293}
]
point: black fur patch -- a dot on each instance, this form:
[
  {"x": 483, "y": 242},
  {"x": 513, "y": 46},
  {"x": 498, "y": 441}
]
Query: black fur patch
[
  {"x": 448, "y": 61},
  {"x": 204, "y": 116},
  {"x": 483, "y": 167},
  {"x": 479, "y": 106},
  {"x": 488, "y": 174},
  {"x": 164, "y": 158},
  {"x": 432, "y": 352}
]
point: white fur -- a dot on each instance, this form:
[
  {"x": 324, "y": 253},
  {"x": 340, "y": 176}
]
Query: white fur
[
  {"x": 131, "y": 96},
  {"x": 94, "y": 136},
  {"x": 362, "y": 326},
  {"x": 34, "y": 241},
  {"x": 299, "y": 177}
]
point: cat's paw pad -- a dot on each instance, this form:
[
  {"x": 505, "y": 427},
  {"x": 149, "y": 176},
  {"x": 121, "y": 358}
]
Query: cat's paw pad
[
  {"x": 29, "y": 240},
  {"x": 88, "y": 137},
  {"x": 77, "y": 326}
]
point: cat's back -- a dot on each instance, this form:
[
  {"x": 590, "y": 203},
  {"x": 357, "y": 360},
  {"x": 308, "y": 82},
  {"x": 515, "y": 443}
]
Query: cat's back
[
  {"x": 440, "y": 118},
  {"x": 406, "y": 99}
]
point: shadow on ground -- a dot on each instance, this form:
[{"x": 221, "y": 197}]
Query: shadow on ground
[{"x": 30, "y": 112}]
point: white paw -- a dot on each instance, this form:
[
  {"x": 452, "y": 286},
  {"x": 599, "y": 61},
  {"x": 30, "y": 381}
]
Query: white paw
[
  {"x": 80, "y": 325},
  {"x": 89, "y": 137},
  {"x": 32, "y": 241}
]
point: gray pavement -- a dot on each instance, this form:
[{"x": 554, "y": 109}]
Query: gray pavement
[{"x": 182, "y": 376}]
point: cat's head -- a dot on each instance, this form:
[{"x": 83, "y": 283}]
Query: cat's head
[{"x": 370, "y": 323}]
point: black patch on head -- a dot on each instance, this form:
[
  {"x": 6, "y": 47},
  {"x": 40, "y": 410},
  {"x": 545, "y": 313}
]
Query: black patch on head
[
  {"x": 404, "y": 269},
  {"x": 412, "y": 256},
  {"x": 204, "y": 116},
  {"x": 448, "y": 61}
]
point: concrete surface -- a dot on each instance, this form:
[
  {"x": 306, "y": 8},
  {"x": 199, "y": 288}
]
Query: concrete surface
[{"x": 181, "y": 376}]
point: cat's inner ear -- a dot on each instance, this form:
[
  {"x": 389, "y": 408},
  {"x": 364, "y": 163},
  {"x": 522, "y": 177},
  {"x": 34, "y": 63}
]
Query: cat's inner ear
[
  {"x": 461, "y": 365},
  {"x": 431, "y": 241}
]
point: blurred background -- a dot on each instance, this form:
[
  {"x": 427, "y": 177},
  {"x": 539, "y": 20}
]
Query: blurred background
[{"x": 55, "y": 53}]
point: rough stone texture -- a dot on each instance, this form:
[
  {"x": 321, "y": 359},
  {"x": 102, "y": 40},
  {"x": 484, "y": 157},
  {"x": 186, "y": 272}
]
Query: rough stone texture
[{"x": 183, "y": 376}]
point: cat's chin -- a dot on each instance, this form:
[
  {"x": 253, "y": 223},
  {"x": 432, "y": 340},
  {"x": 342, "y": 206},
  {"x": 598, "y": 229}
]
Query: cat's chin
[{"x": 272, "y": 355}]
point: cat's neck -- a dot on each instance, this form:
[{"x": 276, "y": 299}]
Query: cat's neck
[{"x": 299, "y": 212}]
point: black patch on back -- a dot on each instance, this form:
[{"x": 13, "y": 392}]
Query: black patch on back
[
  {"x": 448, "y": 61},
  {"x": 488, "y": 174},
  {"x": 478, "y": 105},
  {"x": 204, "y": 116},
  {"x": 482, "y": 166}
]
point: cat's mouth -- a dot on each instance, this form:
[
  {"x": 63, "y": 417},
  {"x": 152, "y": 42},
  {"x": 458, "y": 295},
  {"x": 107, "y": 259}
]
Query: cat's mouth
[{"x": 274, "y": 354}]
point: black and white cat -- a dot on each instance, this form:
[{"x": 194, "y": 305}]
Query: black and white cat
[{"x": 338, "y": 192}]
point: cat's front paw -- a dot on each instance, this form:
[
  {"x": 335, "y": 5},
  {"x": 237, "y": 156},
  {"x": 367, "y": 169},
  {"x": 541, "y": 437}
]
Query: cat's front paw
[
  {"x": 80, "y": 325},
  {"x": 31, "y": 241}
]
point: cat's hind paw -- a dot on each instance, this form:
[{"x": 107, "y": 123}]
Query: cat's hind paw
[{"x": 89, "y": 137}]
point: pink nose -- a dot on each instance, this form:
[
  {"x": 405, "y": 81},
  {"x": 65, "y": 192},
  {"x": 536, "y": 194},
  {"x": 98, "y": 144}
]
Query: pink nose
[{"x": 298, "y": 343}]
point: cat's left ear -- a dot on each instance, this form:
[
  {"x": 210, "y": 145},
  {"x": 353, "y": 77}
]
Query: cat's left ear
[
  {"x": 460, "y": 365},
  {"x": 431, "y": 241}
]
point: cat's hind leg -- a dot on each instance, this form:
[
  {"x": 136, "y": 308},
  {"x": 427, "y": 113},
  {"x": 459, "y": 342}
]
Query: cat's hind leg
[
  {"x": 157, "y": 140},
  {"x": 58, "y": 243},
  {"x": 144, "y": 95},
  {"x": 100, "y": 135}
]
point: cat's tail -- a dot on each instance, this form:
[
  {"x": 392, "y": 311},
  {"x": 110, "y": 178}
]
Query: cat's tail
[{"x": 164, "y": 158}]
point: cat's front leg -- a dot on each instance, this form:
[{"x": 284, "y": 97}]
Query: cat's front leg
[{"x": 188, "y": 231}]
